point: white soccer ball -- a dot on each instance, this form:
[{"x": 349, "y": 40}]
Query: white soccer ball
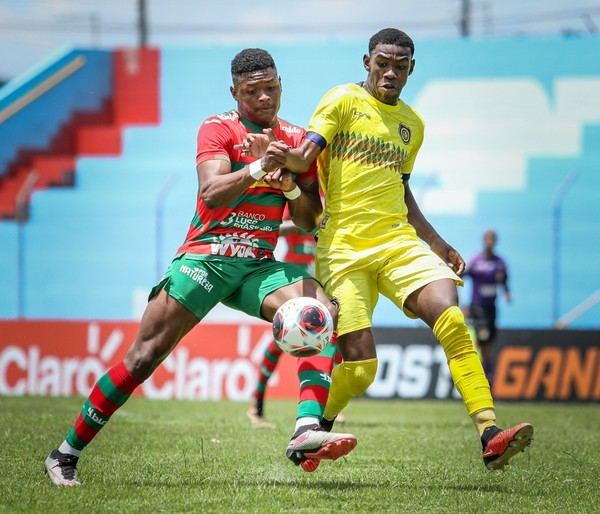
[{"x": 302, "y": 326}]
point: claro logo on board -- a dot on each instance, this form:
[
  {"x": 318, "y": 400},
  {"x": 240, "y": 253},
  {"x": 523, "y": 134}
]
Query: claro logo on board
[
  {"x": 30, "y": 371},
  {"x": 548, "y": 373},
  {"x": 65, "y": 359}
]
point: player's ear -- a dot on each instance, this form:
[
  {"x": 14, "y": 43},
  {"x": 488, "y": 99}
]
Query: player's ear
[
  {"x": 412, "y": 66},
  {"x": 367, "y": 62},
  {"x": 233, "y": 91},
  {"x": 280, "y": 86}
]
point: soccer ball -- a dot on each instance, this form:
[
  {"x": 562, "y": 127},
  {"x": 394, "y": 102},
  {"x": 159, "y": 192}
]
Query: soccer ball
[{"x": 302, "y": 326}]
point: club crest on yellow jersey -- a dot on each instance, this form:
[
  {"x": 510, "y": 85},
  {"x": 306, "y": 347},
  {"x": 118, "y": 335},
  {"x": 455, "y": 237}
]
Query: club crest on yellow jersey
[{"x": 404, "y": 132}]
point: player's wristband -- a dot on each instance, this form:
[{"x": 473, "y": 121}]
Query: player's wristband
[
  {"x": 293, "y": 194},
  {"x": 256, "y": 171}
]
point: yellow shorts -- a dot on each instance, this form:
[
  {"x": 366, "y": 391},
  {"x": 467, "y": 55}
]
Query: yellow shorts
[{"x": 395, "y": 268}]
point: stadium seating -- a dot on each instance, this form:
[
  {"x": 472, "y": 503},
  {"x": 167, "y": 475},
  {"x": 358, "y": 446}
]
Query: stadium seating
[{"x": 89, "y": 250}]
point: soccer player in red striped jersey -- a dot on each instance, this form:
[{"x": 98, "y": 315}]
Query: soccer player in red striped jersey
[{"x": 227, "y": 257}]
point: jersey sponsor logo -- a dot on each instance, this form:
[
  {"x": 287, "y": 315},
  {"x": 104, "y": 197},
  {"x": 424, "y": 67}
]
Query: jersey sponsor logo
[
  {"x": 252, "y": 215},
  {"x": 405, "y": 133},
  {"x": 197, "y": 275},
  {"x": 232, "y": 116},
  {"x": 246, "y": 221},
  {"x": 290, "y": 129},
  {"x": 236, "y": 245},
  {"x": 358, "y": 114}
]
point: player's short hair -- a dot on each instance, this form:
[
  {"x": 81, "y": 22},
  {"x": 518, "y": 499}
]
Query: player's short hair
[
  {"x": 391, "y": 37},
  {"x": 249, "y": 60}
]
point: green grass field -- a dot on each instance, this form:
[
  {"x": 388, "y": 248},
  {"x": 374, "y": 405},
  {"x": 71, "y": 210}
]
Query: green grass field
[{"x": 412, "y": 456}]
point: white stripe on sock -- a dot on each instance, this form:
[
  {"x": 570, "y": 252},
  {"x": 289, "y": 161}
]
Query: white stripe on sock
[
  {"x": 67, "y": 448},
  {"x": 302, "y": 422}
]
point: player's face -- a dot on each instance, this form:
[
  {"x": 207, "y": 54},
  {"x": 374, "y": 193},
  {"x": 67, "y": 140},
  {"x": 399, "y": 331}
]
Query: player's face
[
  {"x": 389, "y": 67},
  {"x": 258, "y": 96}
]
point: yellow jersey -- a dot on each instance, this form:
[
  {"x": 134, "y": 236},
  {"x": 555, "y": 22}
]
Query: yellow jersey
[{"x": 370, "y": 145}]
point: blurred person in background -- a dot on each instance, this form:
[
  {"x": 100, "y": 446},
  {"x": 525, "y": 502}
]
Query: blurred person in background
[{"x": 488, "y": 272}]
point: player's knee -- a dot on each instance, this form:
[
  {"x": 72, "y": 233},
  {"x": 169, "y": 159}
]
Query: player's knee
[
  {"x": 142, "y": 359},
  {"x": 360, "y": 375}
]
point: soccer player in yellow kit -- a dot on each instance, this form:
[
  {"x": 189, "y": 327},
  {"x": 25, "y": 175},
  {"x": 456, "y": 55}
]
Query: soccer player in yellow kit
[{"x": 374, "y": 238}]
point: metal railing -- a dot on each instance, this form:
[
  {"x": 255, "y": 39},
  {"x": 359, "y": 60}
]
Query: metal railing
[{"x": 22, "y": 214}]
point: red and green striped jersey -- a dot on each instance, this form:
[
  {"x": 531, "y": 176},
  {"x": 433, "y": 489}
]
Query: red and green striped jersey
[
  {"x": 249, "y": 226},
  {"x": 302, "y": 247}
]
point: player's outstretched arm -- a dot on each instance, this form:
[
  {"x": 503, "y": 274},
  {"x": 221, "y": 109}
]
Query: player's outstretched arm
[
  {"x": 217, "y": 186},
  {"x": 427, "y": 233}
]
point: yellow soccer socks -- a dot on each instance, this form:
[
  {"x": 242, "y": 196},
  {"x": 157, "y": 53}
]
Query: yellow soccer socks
[
  {"x": 348, "y": 380},
  {"x": 484, "y": 419},
  {"x": 465, "y": 367}
]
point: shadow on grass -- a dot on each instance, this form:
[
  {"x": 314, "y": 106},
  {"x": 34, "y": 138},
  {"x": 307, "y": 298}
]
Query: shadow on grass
[
  {"x": 491, "y": 488},
  {"x": 351, "y": 424},
  {"x": 309, "y": 484},
  {"x": 325, "y": 485}
]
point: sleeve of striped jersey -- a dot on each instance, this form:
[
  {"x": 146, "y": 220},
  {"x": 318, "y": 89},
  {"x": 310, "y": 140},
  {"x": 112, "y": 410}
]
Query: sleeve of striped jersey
[{"x": 213, "y": 141}]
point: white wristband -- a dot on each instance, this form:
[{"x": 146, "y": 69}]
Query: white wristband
[
  {"x": 256, "y": 171},
  {"x": 293, "y": 194}
]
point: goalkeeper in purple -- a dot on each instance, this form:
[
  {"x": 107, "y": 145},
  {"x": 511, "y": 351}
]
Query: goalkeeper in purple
[
  {"x": 227, "y": 257},
  {"x": 487, "y": 271},
  {"x": 374, "y": 239}
]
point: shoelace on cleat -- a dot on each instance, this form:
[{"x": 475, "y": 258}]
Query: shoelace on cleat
[{"x": 68, "y": 465}]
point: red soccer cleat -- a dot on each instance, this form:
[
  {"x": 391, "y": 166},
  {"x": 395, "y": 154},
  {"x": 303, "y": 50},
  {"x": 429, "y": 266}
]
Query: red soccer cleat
[{"x": 505, "y": 444}]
